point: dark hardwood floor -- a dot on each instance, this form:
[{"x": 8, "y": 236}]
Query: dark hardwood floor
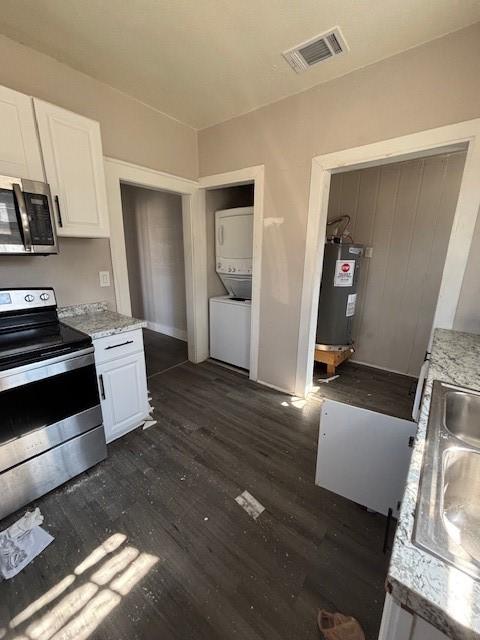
[
  {"x": 150, "y": 544},
  {"x": 163, "y": 352},
  {"x": 369, "y": 388}
]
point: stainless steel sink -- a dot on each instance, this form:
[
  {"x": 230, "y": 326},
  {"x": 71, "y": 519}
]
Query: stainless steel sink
[
  {"x": 462, "y": 415},
  {"x": 447, "y": 521}
]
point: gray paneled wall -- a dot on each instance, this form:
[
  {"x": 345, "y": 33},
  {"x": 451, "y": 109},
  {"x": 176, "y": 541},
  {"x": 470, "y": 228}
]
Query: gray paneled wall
[
  {"x": 404, "y": 211},
  {"x": 156, "y": 268}
]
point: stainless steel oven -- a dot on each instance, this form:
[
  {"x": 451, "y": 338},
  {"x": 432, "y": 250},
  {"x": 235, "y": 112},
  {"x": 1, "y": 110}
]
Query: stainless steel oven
[
  {"x": 50, "y": 418},
  {"x": 26, "y": 217}
]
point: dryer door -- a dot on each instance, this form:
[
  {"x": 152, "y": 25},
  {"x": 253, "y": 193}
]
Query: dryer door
[{"x": 234, "y": 237}]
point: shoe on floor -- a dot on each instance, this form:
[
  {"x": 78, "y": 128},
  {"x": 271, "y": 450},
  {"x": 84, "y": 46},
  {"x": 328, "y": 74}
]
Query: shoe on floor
[{"x": 336, "y": 626}]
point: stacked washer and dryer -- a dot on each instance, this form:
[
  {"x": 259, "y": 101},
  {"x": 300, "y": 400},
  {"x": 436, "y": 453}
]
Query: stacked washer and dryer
[{"x": 230, "y": 314}]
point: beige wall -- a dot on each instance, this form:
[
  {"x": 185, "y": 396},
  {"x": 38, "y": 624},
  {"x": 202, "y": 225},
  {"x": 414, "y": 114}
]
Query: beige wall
[
  {"x": 216, "y": 199},
  {"x": 432, "y": 85},
  {"x": 404, "y": 212},
  {"x": 131, "y": 131},
  {"x": 156, "y": 267},
  {"x": 73, "y": 272}
]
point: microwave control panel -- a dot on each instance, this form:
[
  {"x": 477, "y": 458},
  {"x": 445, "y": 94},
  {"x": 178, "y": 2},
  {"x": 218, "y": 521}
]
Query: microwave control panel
[{"x": 38, "y": 211}]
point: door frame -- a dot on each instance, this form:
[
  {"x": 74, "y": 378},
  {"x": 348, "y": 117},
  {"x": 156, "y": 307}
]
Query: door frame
[
  {"x": 447, "y": 138},
  {"x": 194, "y": 241},
  {"x": 255, "y": 174}
]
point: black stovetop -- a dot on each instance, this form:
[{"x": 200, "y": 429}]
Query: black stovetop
[{"x": 32, "y": 337}]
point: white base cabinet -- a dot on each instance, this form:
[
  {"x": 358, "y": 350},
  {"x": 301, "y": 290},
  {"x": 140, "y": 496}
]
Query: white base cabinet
[
  {"x": 399, "y": 624},
  {"x": 122, "y": 382}
]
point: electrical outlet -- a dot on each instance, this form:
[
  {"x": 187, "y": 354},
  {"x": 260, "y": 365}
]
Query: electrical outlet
[
  {"x": 104, "y": 277},
  {"x": 369, "y": 252}
]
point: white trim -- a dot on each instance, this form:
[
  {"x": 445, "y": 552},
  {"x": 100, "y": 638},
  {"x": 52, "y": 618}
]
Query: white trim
[
  {"x": 393, "y": 150},
  {"x": 117, "y": 171},
  {"x": 181, "y": 334},
  {"x": 247, "y": 175}
]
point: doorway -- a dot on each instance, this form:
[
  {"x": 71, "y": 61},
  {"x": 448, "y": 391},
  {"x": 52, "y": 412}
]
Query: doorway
[
  {"x": 118, "y": 173},
  {"x": 242, "y": 187},
  {"x": 152, "y": 221},
  {"x": 449, "y": 139}
]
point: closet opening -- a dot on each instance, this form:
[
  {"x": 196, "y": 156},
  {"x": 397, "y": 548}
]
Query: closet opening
[
  {"x": 386, "y": 240},
  {"x": 153, "y": 229},
  {"x": 229, "y": 221}
]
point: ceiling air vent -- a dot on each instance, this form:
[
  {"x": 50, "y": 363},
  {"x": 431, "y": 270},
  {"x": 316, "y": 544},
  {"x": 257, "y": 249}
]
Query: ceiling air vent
[{"x": 322, "y": 47}]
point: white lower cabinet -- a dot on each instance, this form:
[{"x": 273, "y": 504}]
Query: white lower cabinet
[
  {"x": 122, "y": 382},
  {"x": 400, "y": 624}
]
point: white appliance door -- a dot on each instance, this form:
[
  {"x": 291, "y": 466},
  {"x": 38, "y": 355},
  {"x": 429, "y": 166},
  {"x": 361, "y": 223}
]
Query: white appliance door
[
  {"x": 234, "y": 239},
  {"x": 230, "y": 332},
  {"x": 238, "y": 287}
]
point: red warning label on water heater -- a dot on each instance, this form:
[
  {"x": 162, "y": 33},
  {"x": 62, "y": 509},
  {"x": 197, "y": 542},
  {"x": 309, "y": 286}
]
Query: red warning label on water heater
[{"x": 344, "y": 270}]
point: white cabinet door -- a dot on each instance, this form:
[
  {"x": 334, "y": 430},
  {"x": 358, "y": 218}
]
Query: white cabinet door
[
  {"x": 73, "y": 158},
  {"x": 19, "y": 146},
  {"x": 123, "y": 394},
  {"x": 400, "y": 624},
  {"x": 363, "y": 455}
]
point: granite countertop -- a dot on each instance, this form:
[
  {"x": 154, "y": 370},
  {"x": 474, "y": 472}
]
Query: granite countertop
[
  {"x": 97, "y": 320},
  {"x": 441, "y": 594}
]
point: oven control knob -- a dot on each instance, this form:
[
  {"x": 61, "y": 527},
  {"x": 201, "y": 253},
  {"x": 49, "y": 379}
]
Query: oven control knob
[
  {"x": 44, "y": 296},
  {"x": 29, "y": 298}
]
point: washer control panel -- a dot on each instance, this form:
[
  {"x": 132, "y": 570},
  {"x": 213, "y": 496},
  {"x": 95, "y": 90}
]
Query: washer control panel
[
  {"x": 239, "y": 267},
  {"x": 19, "y": 299}
]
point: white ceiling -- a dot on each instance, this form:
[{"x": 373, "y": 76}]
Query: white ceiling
[{"x": 204, "y": 61}]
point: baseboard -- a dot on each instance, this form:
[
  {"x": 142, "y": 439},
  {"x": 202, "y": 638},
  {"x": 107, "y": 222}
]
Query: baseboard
[
  {"x": 375, "y": 366},
  {"x": 168, "y": 331},
  {"x": 272, "y": 386}
]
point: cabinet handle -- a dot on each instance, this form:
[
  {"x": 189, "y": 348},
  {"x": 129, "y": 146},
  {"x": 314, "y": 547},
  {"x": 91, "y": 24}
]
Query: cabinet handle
[
  {"x": 121, "y": 344},
  {"x": 102, "y": 386},
  {"x": 59, "y": 212}
]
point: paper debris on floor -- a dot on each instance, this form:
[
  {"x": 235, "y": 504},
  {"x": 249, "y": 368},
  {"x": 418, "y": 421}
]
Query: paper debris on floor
[
  {"x": 149, "y": 423},
  {"x": 322, "y": 380},
  {"x": 251, "y": 505},
  {"x": 21, "y": 543}
]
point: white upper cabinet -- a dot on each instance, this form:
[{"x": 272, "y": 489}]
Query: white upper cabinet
[
  {"x": 19, "y": 147},
  {"x": 73, "y": 159}
]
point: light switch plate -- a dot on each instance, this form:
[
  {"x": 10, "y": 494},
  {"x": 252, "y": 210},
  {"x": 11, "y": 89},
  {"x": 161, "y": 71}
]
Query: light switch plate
[
  {"x": 369, "y": 252},
  {"x": 104, "y": 277}
]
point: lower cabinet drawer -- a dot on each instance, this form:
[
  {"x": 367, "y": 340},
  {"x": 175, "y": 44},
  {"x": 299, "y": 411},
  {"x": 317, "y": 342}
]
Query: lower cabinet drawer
[{"x": 118, "y": 345}]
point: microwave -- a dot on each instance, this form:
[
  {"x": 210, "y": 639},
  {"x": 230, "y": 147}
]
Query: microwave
[{"x": 26, "y": 218}]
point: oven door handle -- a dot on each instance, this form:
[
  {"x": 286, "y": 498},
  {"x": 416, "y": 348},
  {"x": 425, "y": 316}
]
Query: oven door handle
[{"x": 23, "y": 217}]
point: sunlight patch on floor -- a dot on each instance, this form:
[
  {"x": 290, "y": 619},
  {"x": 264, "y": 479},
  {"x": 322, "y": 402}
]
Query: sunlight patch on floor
[
  {"x": 79, "y": 612},
  {"x": 295, "y": 401}
]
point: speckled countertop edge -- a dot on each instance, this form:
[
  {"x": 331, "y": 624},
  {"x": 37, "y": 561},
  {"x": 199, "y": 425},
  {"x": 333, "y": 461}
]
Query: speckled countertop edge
[
  {"x": 96, "y": 320},
  {"x": 441, "y": 594}
]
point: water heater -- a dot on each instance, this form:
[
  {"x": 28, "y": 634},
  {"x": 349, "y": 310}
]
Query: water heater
[{"x": 338, "y": 293}]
